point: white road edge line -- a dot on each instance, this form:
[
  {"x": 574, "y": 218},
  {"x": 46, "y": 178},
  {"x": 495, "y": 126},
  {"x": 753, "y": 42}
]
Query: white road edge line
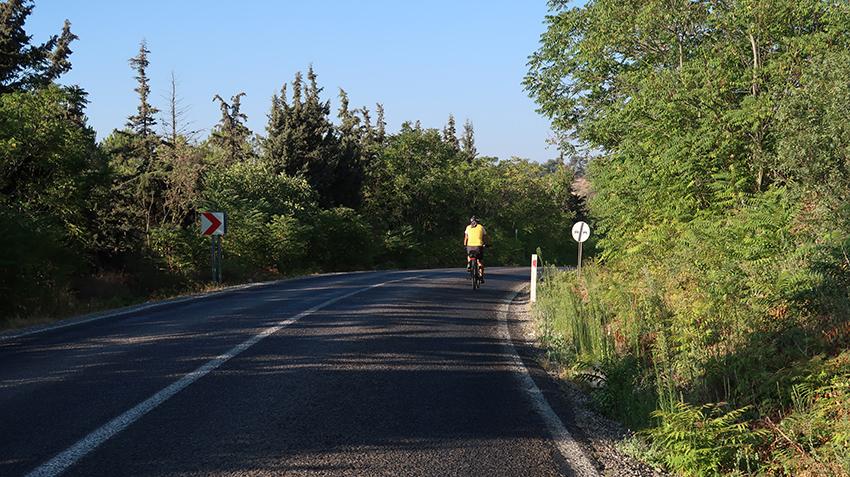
[
  {"x": 70, "y": 456},
  {"x": 564, "y": 441}
]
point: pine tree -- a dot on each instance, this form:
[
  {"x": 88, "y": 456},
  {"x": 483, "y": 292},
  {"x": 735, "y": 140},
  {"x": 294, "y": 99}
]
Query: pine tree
[
  {"x": 143, "y": 122},
  {"x": 144, "y": 140},
  {"x": 23, "y": 66},
  {"x": 140, "y": 182}
]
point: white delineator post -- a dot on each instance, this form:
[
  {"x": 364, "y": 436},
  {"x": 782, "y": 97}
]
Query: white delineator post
[{"x": 533, "y": 278}]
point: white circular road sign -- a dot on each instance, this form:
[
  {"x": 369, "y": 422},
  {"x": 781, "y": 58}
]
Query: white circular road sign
[{"x": 581, "y": 231}]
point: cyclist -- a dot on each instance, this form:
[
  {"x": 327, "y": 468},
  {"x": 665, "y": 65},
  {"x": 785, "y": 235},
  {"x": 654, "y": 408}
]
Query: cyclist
[{"x": 474, "y": 238}]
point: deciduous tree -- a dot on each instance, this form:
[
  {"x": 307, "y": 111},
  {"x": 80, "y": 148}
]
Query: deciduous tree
[{"x": 679, "y": 96}]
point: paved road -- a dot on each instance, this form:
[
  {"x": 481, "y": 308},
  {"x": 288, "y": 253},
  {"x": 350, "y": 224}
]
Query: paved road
[{"x": 383, "y": 373}]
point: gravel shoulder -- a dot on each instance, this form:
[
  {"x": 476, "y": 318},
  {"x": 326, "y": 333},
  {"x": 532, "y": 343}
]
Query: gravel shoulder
[{"x": 598, "y": 436}]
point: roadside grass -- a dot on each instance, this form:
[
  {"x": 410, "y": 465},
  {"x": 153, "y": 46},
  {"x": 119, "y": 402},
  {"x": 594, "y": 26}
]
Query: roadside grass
[
  {"x": 100, "y": 292},
  {"x": 712, "y": 384}
]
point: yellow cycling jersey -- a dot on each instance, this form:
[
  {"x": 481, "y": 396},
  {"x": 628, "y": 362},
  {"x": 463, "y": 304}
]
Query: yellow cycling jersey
[{"x": 475, "y": 235}]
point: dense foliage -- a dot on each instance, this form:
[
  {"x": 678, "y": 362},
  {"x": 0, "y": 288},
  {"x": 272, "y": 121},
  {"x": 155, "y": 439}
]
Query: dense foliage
[
  {"x": 721, "y": 186},
  {"x": 102, "y": 224}
]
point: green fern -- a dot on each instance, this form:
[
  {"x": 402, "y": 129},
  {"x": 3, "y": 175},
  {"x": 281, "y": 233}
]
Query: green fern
[{"x": 703, "y": 441}]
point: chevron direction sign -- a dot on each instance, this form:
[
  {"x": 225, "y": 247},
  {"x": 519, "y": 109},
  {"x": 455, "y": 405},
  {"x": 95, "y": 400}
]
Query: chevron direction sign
[{"x": 212, "y": 223}]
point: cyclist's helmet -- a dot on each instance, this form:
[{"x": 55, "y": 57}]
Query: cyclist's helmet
[{"x": 474, "y": 218}]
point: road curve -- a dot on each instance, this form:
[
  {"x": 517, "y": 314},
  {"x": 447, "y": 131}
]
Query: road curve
[{"x": 379, "y": 373}]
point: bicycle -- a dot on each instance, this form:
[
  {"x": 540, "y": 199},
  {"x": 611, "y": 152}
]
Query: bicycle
[
  {"x": 474, "y": 273},
  {"x": 474, "y": 266}
]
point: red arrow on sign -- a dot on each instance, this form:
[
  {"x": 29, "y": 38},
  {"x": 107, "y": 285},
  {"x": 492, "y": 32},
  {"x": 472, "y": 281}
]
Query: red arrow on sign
[{"x": 214, "y": 222}]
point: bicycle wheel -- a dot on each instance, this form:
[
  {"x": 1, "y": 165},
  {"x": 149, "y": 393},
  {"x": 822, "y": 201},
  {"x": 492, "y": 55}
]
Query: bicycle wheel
[{"x": 474, "y": 272}]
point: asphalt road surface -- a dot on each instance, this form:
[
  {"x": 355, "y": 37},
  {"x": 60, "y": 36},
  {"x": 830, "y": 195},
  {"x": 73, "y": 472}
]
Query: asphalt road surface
[{"x": 379, "y": 373}]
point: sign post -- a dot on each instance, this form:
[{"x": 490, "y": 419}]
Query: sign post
[
  {"x": 534, "y": 278},
  {"x": 581, "y": 231},
  {"x": 214, "y": 224}
]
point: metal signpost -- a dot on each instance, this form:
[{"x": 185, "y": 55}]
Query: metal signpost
[
  {"x": 214, "y": 224},
  {"x": 581, "y": 231}
]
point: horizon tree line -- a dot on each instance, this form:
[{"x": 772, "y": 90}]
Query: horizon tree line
[{"x": 311, "y": 194}]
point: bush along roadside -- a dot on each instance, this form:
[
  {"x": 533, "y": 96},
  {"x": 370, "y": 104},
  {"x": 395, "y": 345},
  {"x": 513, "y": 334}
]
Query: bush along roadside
[{"x": 707, "y": 393}]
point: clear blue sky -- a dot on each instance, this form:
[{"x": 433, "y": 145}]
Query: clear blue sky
[{"x": 422, "y": 60}]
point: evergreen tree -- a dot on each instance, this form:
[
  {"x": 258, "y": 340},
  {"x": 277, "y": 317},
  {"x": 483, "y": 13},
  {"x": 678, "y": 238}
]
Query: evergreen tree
[
  {"x": 375, "y": 137},
  {"x": 350, "y": 123},
  {"x": 467, "y": 141},
  {"x": 380, "y": 125},
  {"x": 142, "y": 123},
  {"x": 231, "y": 134},
  {"x": 357, "y": 133},
  {"x": 303, "y": 141},
  {"x": 140, "y": 183},
  {"x": 22, "y": 65},
  {"x": 450, "y": 133}
]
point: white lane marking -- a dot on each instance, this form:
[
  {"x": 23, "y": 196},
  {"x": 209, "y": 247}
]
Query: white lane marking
[
  {"x": 70, "y": 456},
  {"x": 564, "y": 441}
]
